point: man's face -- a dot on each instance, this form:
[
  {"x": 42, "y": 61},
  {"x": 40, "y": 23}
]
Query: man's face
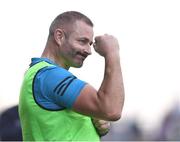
[{"x": 77, "y": 45}]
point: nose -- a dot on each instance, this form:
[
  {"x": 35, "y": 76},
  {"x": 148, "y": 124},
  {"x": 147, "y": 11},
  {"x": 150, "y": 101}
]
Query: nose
[{"x": 88, "y": 50}]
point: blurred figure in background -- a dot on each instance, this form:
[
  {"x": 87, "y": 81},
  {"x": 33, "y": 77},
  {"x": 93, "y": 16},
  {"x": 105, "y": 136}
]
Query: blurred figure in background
[
  {"x": 170, "y": 129},
  {"x": 10, "y": 129}
]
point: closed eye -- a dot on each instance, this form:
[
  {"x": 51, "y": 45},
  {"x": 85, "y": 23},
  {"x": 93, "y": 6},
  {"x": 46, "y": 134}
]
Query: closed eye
[{"x": 83, "y": 41}]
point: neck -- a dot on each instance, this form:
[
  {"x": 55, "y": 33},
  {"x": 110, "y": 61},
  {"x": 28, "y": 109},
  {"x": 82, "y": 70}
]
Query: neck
[{"x": 51, "y": 53}]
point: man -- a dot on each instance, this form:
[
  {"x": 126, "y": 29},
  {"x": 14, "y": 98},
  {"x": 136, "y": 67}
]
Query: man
[{"x": 56, "y": 105}]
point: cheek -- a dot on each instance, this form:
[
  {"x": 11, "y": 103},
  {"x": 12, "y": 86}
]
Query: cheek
[
  {"x": 70, "y": 49},
  {"x": 74, "y": 48}
]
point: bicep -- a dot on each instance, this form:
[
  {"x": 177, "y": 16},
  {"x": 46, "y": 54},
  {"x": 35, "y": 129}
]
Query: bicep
[
  {"x": 65, "y": 90},
  {"x": 87, "y": 102}
]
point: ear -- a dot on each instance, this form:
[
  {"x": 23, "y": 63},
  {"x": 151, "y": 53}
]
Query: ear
[{"x": 58, "y": 36}]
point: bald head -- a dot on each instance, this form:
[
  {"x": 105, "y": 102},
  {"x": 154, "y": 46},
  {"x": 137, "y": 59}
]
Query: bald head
[{"x": 66, "y": 20}]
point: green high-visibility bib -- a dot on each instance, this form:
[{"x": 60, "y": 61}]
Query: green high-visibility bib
[{"x": 39, "y": 124}]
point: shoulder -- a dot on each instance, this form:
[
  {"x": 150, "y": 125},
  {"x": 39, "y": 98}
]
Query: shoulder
[{"x": 59, "y": 85}]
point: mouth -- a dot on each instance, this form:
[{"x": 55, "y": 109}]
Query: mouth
[{"x": 82, "y": 55}]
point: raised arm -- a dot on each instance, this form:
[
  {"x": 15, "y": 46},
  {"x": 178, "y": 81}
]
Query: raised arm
[{"x": 107, "y": 102}]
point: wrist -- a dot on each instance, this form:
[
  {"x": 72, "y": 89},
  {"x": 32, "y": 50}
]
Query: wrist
[
  {"x": 112, "y": 55},
  {"x": 112, "y": 58}
]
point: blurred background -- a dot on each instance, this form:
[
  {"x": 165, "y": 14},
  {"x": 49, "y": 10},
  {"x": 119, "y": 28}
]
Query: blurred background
[{"x": 149, "y": 36}]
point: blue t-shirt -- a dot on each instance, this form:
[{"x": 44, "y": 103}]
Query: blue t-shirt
[{"x": 55, "y": 88}]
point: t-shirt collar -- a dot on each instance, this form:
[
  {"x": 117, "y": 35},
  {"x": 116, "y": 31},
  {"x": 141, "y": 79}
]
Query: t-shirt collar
[{"x": 37, "y": 60}]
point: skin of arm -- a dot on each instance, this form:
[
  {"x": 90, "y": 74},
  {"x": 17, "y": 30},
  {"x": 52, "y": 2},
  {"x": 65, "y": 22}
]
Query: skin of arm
[{"x": 107, "y": 102}]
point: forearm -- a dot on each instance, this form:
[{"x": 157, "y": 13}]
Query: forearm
[{"x": 111, "y": 92}]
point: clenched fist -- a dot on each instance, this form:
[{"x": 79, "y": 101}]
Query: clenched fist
[
  {"x": 102, "y": 126},
  {"x": 106, "y": 44}
]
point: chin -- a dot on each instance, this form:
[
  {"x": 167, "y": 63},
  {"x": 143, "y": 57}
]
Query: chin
[{"x": 77, "y": 65}]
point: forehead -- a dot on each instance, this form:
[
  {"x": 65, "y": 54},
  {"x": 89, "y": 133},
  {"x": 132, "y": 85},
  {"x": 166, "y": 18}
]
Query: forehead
[{"x": 81, "y": 29}]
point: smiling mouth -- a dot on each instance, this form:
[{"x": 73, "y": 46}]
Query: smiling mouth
[{"x": 82, "y": 55}]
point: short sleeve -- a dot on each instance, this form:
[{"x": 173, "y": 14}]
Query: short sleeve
[{"x": 58, "y": 86}]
